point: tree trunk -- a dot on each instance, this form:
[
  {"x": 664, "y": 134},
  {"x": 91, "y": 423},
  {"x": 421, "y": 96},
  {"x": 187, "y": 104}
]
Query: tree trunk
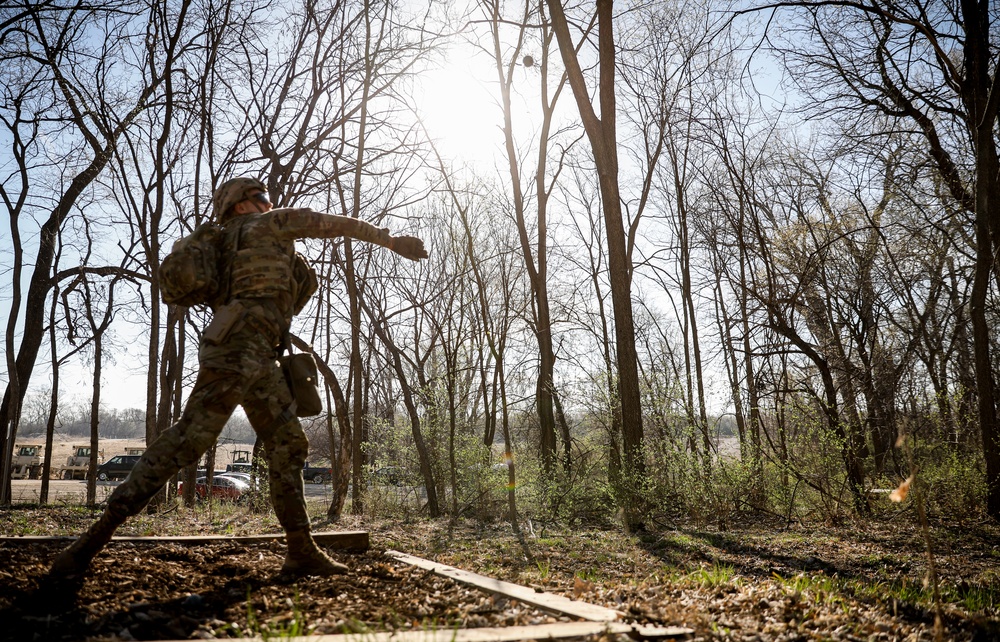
[
  {"x": 982, "y": 99},
  {"x": 50, "y": 424},
  {"x": 357, "y": 394},
  {"x": 603, "y": 140},
  {"x": 342, "y": 473},
  {"x": 95, "y": 410}
]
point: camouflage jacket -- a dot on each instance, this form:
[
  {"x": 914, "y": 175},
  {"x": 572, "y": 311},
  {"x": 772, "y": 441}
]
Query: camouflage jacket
[{"x": 261, "y": 264}]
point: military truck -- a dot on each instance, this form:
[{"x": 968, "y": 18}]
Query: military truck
[
  {"x": 77, "y": 464},
  {"x": 27, "y": 463},
  {"x": 241, "y": 462}
]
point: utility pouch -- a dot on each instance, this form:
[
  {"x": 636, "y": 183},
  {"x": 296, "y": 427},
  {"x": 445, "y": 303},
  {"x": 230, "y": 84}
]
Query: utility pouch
[
  {"x": 304, "y": 283},
  {"x": 225, "y": 320},
  {"x": 300, "y": 373}
]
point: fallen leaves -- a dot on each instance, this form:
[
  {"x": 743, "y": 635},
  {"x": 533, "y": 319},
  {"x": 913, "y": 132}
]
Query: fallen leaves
[{"x": 781, "y": 584}]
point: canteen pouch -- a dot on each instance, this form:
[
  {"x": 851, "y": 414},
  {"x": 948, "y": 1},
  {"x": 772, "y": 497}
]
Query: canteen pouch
[{"x": 300, "y": 373}]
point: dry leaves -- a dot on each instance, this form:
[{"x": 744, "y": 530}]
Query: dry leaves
[{"x": 755, "y": 583}]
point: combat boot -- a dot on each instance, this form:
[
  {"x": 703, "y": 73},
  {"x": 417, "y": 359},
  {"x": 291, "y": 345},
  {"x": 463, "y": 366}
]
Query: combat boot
[
  {"x": 305, "y": 558},
  {"x": 74, "y": 561}
]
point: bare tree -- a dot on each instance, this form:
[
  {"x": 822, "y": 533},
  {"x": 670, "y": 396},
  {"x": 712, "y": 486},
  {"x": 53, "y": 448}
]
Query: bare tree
[
  {"x": 96, "y": 328},
  {"x": 933, "y": 66},
  {"x": 415, "y": 361},
  {"x": 673, "y": 62},
  {"x": 507, "y": 62},
  {"x": 494, "y": 282},
  {"x": 41, "y": 44},
  {"x": 581, "y": 201},
  {"x": 601, "y": 132}
]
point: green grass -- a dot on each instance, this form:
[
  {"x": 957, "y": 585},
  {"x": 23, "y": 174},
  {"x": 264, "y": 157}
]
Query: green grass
[
  {"x": 590, "y": 575},
  {"x": 709, "y": 576},
  {"x": 276, "y": 629},
  {"x": 819, "y": 588},
  {"x": 976, "y": 599},
  {"x": 816, "y": 589}
]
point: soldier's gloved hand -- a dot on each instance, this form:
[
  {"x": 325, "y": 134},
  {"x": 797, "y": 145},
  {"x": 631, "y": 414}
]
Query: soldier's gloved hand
[{"x": 409, "y": 247}]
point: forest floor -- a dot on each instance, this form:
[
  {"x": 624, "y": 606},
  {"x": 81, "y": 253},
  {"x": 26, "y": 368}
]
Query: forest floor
[{"x": 756, "y": 581}]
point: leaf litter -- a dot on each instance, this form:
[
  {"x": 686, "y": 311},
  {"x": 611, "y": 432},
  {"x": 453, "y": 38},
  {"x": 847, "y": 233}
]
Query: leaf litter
[{"x": 755, "y": 582}]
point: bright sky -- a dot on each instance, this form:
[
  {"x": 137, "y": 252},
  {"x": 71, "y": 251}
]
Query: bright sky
[
  {"x": 460, "y": 106},
  {"x": 459, "y": 111}
]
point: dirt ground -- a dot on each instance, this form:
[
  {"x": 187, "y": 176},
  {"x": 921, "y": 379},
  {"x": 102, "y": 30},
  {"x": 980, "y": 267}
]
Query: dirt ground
[{"x": 754, "y": 582}]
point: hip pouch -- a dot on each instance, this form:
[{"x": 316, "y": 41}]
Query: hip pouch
[
  {"x": 225, "y": 321},
  {"x": 300, "y": 373}
]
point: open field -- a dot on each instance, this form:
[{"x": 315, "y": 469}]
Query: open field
[{"x": 62, "y": 491}]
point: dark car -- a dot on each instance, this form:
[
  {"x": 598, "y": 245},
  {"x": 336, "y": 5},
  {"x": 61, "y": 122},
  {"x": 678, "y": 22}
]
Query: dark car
[
  {"x": 118, "y": 467},
  {"x": 317, "y": 474}
]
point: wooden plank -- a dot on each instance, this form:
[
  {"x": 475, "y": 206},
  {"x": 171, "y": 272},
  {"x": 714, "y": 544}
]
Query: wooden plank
[
  {"x": 547, "y": 601},
  {"x": 554, "y": 631},
  {"x": 355, "y": 541}
]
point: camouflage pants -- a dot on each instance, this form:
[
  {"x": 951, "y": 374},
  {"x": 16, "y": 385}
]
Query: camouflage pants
[{"x": 240, "y": 371}]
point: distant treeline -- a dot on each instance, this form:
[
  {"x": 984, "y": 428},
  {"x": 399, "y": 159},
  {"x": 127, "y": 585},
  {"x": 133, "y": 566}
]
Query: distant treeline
[{"x": 73, "y": 421}]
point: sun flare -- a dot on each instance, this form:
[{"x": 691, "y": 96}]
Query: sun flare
[{"x": 460, "y": 113}]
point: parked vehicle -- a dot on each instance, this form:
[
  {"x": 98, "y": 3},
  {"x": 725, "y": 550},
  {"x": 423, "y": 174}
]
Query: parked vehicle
[
  {"x": 118, "y": 467},
  {"x": 223, "y": 487},
  {"x": 27, "y": 462},
  {"x": 241, "y": 462},
  {"x": 244, "y": 477},
  {"x": 317, "y": 474},
  {"x": 77, "y": 464}
]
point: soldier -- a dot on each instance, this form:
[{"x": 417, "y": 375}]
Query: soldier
[{"x": 263, "y": 287}]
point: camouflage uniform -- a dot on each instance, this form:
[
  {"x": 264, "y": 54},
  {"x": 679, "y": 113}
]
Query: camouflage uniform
[{"x": 238, "y": 367}]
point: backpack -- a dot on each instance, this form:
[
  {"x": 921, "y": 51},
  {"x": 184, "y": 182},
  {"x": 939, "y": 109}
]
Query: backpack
[{"x": 190, "y": 274}]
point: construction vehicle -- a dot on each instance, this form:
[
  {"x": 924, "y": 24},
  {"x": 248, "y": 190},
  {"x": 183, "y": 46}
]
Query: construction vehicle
[
  {"x": 77, "y": 464},
  {"x": 241, "y": 462},
  {"x": 27, "y": 463}
]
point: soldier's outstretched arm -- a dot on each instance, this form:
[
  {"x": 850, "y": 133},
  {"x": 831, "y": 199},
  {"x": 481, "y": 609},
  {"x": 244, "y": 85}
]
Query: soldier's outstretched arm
[{"x": 305, "y": 223}]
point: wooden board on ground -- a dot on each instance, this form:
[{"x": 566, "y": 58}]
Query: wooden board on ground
[
  {"x": 555, "y": 631},
  {"x": 539, "y": 599},
  {"x": 542, "y": 600},
  {"x": 341, "y": 541},
  {"x": 600, "y": 620}
]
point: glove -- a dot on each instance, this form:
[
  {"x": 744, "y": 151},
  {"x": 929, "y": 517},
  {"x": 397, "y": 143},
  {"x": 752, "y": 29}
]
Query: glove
[{"x": 408, "y": 247}]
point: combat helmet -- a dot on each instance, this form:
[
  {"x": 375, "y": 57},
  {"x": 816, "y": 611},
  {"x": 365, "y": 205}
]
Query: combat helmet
[{"x": 232, "y": 192}]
